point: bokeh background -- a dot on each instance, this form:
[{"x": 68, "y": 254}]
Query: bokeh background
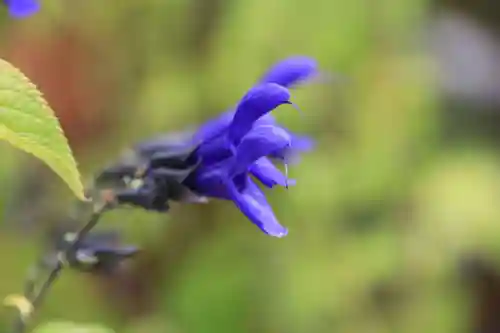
[{"x": 394, "y": 225}]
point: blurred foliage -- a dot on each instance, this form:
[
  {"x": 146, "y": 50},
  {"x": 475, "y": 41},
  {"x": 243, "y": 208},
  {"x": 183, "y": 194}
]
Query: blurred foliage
[
  {"x": 381, "y": 220},
  {"x": 68, "y": 327}
]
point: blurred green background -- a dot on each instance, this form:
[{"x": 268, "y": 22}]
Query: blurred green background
[{"x": 394, "y": 225}]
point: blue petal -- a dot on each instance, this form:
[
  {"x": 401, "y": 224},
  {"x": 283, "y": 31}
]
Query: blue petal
[
  {"x": 211, "y": 181},
  {"x": 214, "y": 150},
  {"x": 268, "y": 174},
  {"x": 252, "y": 202},
  {"x": 300, "y": 144},
  {"x": 286, "y": 73},
  {"x": 259, "y": 142},
  {"x": 259, "y": 101},
  {"x": 291, "y": 71},
  {"x": 22, "y": 8},
  {"x": 218, "y": 126},
  {"x": 214, "y": 127}
]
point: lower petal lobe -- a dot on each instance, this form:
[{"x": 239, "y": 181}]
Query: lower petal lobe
[
  {"x": 268, "y": 174},
  {"x": 250, "y": 199},
  {"x": 259, "y": 142}
]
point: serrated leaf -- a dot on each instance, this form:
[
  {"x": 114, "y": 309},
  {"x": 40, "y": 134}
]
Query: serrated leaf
[
  {"x": 28, "y": 123},
  {"x": 69, "y": 327}
]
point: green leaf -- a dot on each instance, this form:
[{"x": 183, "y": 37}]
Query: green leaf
[
  {"x": 28, "y": 123},
  {"x": 69, "y": 327}
]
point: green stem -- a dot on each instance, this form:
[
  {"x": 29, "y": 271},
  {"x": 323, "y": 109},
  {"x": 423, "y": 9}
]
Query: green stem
[{"x": 36, "y": 300}]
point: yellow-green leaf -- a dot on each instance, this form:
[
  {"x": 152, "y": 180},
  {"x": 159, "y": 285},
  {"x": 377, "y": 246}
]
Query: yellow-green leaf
[{"x": 28, "y": 123}]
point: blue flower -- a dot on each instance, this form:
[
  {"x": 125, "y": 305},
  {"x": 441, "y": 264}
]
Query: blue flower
[
  {"x": 22, "y": 8},
  {"x": 219, "y": 158},
  {"x": 239, "y": 143}
]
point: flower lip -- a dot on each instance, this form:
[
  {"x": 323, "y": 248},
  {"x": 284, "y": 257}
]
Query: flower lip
[
  {"x": 261, "y": 141},
  {"x": 250, "y": 199},
  {"x": 229, "y": 178},
  {"x": 268, "y": 174}
]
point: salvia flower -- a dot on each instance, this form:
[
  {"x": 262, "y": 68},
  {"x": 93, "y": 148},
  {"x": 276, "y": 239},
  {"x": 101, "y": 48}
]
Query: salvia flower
[
  {"x": 218, "y": 159},
  {"x": 22, "y": 8},
  {"x": 241, "y": 142}
]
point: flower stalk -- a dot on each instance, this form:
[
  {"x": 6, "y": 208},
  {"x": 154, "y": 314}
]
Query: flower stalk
[{"x": 35, "y": 299}]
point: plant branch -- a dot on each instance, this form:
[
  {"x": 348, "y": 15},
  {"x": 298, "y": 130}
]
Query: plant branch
[{"x": 37, "y": 299}]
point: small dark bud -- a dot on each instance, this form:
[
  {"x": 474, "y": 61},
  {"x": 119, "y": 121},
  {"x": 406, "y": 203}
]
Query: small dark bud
[{"x": 97, "y": 252}]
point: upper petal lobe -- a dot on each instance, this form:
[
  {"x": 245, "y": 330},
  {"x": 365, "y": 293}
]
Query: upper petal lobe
[
  {"x": 291, "y": 71},
  {"x": 259, "y": 101}
]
